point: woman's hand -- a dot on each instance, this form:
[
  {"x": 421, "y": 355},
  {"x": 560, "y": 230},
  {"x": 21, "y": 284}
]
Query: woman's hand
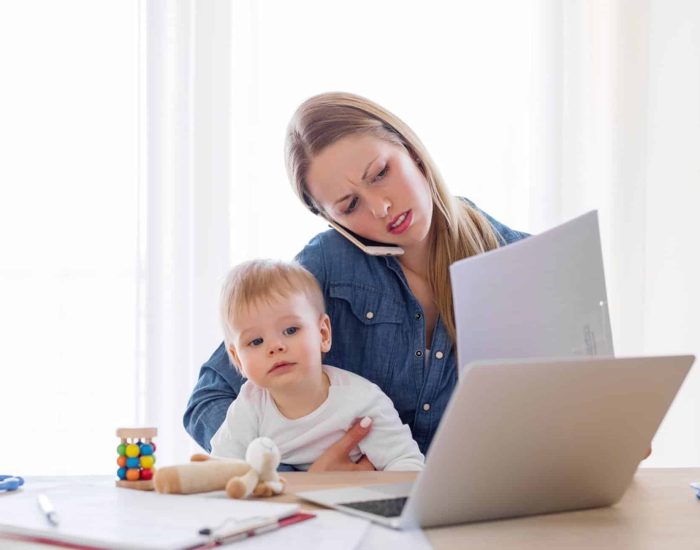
[{"x": 336, "y": 457}]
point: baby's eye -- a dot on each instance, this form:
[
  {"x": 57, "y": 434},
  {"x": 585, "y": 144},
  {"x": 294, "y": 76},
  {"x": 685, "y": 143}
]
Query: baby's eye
[
  {"x": 351, "y": 206},
  {"x": 289, "y": 331},
  {"x": 256, "y": 342}
]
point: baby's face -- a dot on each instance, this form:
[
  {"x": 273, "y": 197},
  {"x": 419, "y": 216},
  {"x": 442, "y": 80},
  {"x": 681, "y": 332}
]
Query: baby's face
[{"x": 278, "y": 344}]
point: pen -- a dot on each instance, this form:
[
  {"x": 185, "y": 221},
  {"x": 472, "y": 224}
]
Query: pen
[
  {"x": 263, "y": 525},
  {"x": 47, "y": 509}
]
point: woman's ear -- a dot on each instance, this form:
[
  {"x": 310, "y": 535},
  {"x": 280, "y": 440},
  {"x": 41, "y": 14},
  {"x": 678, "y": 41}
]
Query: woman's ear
[{"x": 326, "y": 336}]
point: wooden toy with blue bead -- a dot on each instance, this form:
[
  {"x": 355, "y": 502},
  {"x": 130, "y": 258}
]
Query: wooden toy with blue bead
[{"x": 136, "y": 458}]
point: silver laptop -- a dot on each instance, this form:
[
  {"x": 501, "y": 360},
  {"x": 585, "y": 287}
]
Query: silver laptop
[{"x": 523, "y": 437}]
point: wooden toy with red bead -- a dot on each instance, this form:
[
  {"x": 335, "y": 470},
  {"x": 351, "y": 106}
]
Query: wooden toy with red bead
[{"x": 136, "y": 458}]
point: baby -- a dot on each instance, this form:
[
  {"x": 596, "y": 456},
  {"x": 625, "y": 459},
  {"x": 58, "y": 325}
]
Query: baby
[{"x": 276, "y": 332}]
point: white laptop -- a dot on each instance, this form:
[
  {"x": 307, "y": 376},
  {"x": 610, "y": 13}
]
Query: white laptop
[
  {"x": 527, "y": 436},
  {"x": 523, "y": 437}
]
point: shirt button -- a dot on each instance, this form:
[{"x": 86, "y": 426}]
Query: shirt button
[
  {"x": 439, "y": 355},
  {"x": 419, "y": 353},
  {"x": 369, "y": 315},
  {"x": 426, "y": 407},
  {"x": 418, "y": 316}
]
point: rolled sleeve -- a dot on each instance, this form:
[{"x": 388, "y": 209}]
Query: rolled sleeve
[{"x": 217, "y": 386}]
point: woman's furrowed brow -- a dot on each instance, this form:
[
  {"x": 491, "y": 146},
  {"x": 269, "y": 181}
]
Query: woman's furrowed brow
[
  {"x": 364, "y": 178},
  {"x": 369, "y": 165}
]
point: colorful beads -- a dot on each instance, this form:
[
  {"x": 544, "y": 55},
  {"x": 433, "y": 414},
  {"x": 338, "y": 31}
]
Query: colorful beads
[
  {"x": 146, "y": 473},
  {"x": 147, "y": 449},
  {"x": 133, "y": 474},
  {"x": 132, "y": 450},
  {"x": 136, "y": 455}
]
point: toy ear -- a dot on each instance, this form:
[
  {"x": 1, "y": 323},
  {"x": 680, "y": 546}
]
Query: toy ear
[{"x": 257, "y": 449}]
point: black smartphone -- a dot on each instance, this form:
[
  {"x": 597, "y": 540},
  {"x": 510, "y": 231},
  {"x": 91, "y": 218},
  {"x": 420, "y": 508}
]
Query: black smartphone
[{"x": 368, "y": 246}]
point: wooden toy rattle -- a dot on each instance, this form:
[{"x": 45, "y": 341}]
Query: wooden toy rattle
[{"x": 136, "y": 458}]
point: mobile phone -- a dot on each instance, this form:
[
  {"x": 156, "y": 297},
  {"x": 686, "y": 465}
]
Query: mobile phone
[{"x": 368, "y": 246}]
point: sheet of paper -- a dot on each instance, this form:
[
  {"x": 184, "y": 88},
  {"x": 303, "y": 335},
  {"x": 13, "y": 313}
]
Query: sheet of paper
[
  {"x": 327, "y": 530},
  {"x": 108, "y": 517},
  {"x": 543, "y": 296},
  {"x": 381, "y": 538}
]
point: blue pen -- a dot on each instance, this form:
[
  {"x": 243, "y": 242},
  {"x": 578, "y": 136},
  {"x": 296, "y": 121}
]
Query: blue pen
[{"x": 10, "y": 483}]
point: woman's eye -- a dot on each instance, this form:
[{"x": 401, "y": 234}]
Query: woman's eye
[
  {"x": 289, "y": 331},
  {"x": 256, "y": 342},
  {"x": 381, "y": 173},
  {"x": 351, "y": 206}
]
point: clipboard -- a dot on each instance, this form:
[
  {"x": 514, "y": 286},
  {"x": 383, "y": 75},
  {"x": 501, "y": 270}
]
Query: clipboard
[{"x": 103, "y": 516}]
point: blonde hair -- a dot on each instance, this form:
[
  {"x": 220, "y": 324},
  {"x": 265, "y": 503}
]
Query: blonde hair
[
  {"x": 458, "y": 229},
  {"x": 258, "y": 281}
]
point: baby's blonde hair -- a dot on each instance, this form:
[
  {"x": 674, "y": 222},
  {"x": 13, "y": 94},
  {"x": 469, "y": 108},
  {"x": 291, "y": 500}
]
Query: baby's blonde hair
[{"x": 258, "y": 281}]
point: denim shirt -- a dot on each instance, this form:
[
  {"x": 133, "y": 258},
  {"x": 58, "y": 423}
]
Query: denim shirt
[{"x": 378, "y": 332}]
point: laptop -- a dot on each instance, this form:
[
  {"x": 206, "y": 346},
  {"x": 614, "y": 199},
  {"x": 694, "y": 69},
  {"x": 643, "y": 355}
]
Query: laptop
[{"x": 524, "y": 437}]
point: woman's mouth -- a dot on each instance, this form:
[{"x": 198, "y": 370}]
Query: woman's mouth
[{"x": 400, "y": 223}]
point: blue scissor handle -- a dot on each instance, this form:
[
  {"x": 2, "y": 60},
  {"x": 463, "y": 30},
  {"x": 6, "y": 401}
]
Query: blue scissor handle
[{"x": 10, "y": 483}]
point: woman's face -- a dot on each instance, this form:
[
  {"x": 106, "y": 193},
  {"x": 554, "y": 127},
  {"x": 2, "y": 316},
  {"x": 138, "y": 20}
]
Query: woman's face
[{"x": 374, "y": 188}]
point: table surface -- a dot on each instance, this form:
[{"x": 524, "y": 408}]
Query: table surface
[{"x": 659, "y": 510}]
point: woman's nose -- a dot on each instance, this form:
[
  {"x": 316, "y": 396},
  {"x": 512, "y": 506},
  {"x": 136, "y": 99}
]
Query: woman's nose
[{"x": 380, "y": 207}]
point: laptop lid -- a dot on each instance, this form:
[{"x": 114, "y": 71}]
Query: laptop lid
[
  {"x": 524, "y": 437},
  {"x": 543, "y": 296}
]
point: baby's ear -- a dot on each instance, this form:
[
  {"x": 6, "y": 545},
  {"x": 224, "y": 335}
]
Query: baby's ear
[
  {"x": 234, "y": 357},
  {"x": 326, "y": 333}
]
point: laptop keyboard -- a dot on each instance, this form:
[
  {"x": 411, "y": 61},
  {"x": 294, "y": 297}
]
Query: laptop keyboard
[{"x": 388, "y": 508}]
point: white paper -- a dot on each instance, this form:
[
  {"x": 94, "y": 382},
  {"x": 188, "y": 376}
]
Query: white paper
[
  {"x": 109, "y": 517},
  {"x": 543, "y": 296},
  {"x": 381, "y": 538},
  {"x": 328, "y": 530}
]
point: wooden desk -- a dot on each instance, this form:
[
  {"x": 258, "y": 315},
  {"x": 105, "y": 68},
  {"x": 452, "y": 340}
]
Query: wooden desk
[{"x": 659, "y": 510}]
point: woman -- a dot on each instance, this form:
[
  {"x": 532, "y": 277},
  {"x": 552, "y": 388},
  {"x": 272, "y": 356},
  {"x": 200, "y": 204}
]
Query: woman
[{"x": 357, "y": 164}]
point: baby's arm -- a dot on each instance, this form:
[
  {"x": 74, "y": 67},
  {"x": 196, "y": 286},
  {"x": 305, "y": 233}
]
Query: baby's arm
[
  {"x": 389, "y": 445},
  {"x": 239, "y": 428}
]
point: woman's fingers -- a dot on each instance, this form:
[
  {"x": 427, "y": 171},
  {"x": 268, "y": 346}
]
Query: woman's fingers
[
  {"x": 364, "y": 464},
  {"x": 337, "y": 456},
  {"x": 357, "y": 432}
]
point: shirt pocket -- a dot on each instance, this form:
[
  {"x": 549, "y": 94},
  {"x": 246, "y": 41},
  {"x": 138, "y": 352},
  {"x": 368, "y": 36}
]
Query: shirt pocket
[{"x": 367, "y": 331}]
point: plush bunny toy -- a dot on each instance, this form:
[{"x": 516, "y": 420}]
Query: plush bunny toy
[
  {"x": 256, "y": 475},
  {"x": 262, "y": 479}
]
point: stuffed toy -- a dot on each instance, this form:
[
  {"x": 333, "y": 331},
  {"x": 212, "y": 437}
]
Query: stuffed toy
[{"x": 256, "y": 475}]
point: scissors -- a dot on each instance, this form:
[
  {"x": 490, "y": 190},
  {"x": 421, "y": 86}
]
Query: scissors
[{"x": 10, "y": 483}]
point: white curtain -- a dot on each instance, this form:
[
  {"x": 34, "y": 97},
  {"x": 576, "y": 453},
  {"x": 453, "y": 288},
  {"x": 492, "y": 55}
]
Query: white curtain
[
  {"x": 184, "y": 224},
  {"x": 628, "y": 120},
  {"x": 537, "y": 110}
]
